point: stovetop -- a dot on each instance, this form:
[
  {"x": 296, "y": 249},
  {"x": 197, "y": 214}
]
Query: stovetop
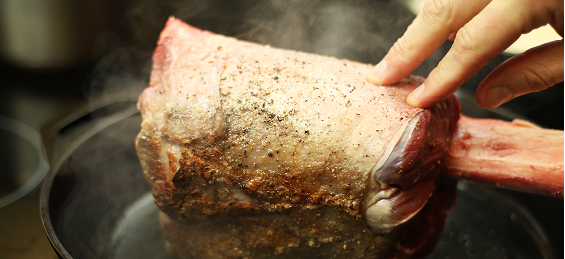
[{"x": 31, "y": 98}]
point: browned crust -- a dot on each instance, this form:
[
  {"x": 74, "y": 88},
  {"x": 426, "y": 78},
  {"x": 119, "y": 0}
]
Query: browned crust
[
  {"x": 317, "y": 233},
  {"x": 202, "y": 165}
]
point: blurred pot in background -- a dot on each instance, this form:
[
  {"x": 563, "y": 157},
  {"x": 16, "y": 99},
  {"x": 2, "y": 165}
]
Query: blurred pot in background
[{"x": 45, "y": 34}]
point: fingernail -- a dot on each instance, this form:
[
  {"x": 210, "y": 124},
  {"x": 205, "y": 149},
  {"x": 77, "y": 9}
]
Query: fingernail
[
  {"x": 377, "y": 72},
  {"x": 413, "y": 96},
  {"x": 498, "y": 95}
]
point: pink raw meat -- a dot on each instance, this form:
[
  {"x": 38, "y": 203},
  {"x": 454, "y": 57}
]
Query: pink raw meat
[{"x": 516, "y": 155}]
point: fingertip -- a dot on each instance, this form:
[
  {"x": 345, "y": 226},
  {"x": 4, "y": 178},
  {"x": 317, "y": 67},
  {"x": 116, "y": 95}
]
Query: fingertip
[
  {"x": 429, "y": 94},
  {"x": 534, "y": 70},
  {"x": 452, "y": 36},
  {"x": 386, "y": 73},
  {"x": 376, "y": 74},
  {"x": 413, "y": 99},
  {"x": 494, "y": 97}
]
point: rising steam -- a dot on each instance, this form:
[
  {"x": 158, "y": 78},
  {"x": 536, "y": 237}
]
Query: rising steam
[{"x": 359, "y": 30}]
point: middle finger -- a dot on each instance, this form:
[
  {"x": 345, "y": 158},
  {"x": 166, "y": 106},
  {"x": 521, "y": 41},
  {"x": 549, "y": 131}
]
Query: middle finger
[{"x": 433, "y": 25}]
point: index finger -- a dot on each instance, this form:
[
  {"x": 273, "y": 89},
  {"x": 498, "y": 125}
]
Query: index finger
[
  {"x": 484, "y": 37},
  {"x": 433, "y": 25}
]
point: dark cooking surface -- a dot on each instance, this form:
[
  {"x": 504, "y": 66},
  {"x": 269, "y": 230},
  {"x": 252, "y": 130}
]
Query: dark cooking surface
[
  {"x": 36, "y": 97},
  {"x": 100, "y": 205}
]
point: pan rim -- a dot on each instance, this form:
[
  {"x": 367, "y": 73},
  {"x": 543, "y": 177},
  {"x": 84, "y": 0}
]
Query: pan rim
[{"x": 52, "y": 172}]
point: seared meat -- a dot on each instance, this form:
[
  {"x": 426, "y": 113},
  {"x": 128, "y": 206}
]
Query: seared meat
[{"x": 257, "y": 152}]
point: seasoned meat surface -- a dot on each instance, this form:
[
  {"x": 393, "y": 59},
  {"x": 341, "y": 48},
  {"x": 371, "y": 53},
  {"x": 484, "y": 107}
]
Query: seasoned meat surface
[{"x": 243, "y": 133}]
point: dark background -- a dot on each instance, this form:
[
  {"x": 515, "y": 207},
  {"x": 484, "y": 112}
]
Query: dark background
[{"x": 103, "y": 48}]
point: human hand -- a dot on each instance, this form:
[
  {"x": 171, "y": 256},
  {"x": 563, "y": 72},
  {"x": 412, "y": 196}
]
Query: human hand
[{"x": 481, "y": 29}]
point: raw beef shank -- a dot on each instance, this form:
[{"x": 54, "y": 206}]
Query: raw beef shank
[{"x": 259, "y": 152}]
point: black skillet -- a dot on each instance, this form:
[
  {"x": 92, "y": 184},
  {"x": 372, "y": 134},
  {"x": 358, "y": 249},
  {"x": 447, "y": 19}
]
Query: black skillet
[{"x": 95, "y": 202}]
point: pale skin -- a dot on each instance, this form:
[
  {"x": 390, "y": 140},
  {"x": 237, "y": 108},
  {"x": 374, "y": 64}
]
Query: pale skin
[{"x": 480, "y": 30}]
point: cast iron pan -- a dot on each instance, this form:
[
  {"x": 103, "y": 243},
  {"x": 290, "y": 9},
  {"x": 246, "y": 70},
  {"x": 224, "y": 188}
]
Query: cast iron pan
[{"x": 96, "y": 203}]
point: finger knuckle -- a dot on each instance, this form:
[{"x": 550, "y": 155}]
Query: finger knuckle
[
  {"x": 438, "y": 10},
  {"x": 405, "y": 52},
  {"x": 539, "y": 78},
  {"x": 535, "y": 15},
  {"x": 466, "y": 44}
]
